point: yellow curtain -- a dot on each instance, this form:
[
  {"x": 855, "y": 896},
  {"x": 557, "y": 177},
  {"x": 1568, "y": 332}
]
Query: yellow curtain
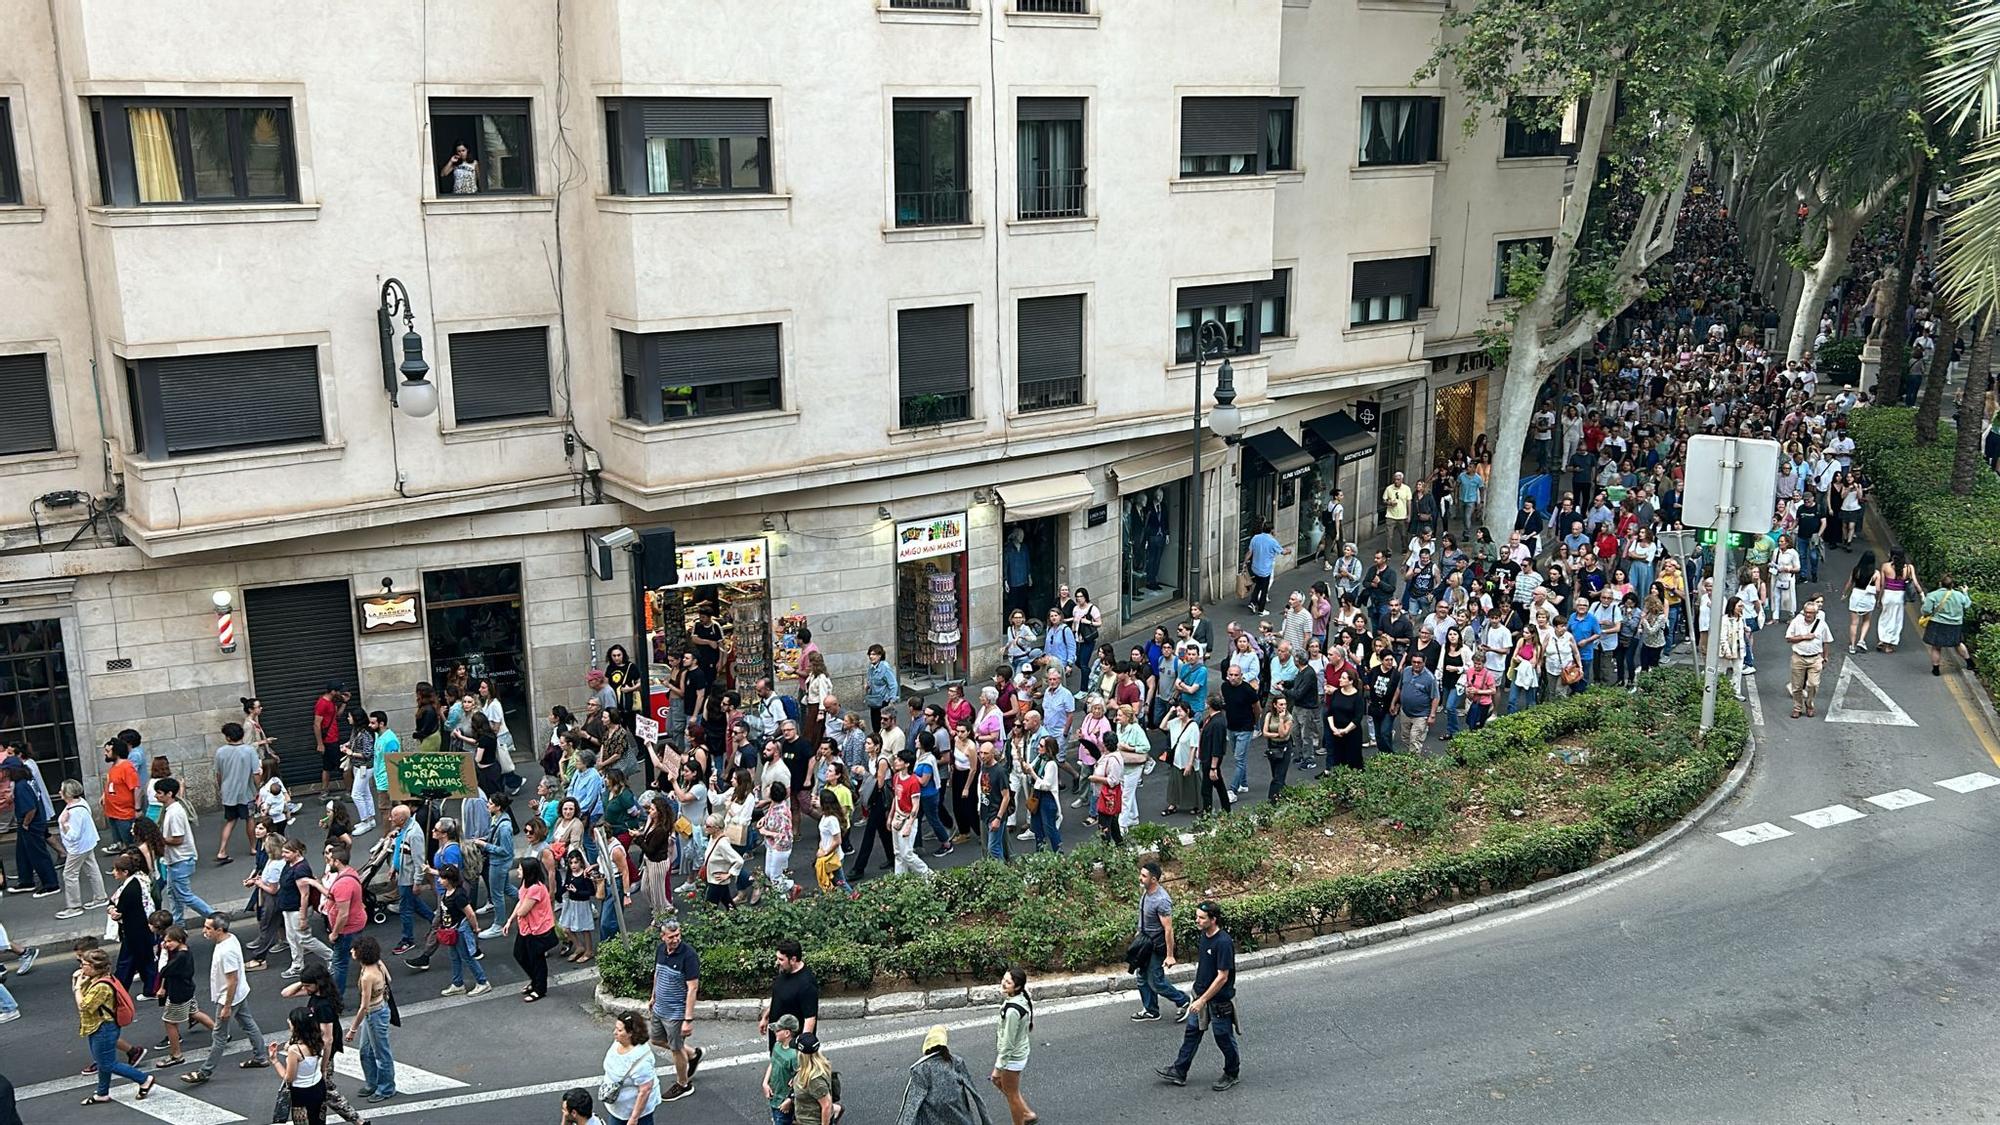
[{"x": 153, "y": 155}]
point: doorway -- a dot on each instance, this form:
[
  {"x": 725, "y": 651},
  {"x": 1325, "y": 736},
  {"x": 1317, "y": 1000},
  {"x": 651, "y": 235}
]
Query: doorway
[
  {"x": 301, "y": 639},
  {"x": 1028, "y": 567},
  {"x": 473, "y": 617}
]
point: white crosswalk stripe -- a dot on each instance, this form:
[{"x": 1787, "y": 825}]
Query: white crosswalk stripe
[
  {"x": 1828, "y": 816},
  {"x": 409, "y": 1079},
  {"x": 1969, "y": 783},
  {"x": 1899, "y": 799},
  {"x": 1754, "y": 834},
  {"x": 174, "y": 1106}
]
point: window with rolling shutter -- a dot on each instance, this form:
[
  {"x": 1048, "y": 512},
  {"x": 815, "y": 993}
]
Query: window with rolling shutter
[
  {"x": 1228, "y": 306},
  {"x": 500, "y": 374},
  {"x": 678, "y": 146},
  {"x": 27, "y": 425},
  {"x": 225, "y": 400},
  {"x": 934, "y": 364},
  {"x": 1049, "y": 352},
  {"x": 1236, "y": 136},
  {"x": 701, "y": 373},
  {"x": 1388, "y": 290}
]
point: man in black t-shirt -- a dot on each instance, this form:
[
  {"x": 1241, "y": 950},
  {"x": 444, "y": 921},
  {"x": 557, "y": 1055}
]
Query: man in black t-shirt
[
  {"x": 1214, "y": 1003},
  {"x": 795, "y": 992},
  {"x": 1384, "y": 681},
  {"x": 706, "y": 638},
  {"x": 996, "y": 798},
  {"x": 1240, "y": 704}
]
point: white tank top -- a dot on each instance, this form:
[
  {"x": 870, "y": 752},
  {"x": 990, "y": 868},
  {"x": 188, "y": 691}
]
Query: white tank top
[{"x": 307, "y": 1075}]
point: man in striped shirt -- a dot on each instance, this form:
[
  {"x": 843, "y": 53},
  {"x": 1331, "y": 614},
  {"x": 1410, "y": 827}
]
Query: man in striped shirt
[{"x": 676, "y": 982}]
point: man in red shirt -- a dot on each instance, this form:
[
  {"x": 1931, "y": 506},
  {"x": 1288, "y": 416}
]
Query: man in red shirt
[
  {"x": 909, "y": 790},
  {"x": 326, "y": 734},
  {"x": 121, "y": 795},
  {"x": 346, "y": 913}
]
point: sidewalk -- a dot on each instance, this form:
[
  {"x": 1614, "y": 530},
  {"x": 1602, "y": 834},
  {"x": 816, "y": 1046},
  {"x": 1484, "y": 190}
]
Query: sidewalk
[{"x": 32, "y": 921}]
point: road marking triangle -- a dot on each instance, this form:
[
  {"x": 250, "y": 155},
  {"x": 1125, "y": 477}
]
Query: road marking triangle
[{"x": 1841, "y": 711}]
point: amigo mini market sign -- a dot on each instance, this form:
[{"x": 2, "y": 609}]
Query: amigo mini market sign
[
  {"x": 709, "y": 564},
  {"x": 928, "y": 538}
]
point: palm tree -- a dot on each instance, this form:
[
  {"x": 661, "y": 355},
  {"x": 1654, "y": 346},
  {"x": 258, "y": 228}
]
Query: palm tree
[{"x": 1964, "y": 93}]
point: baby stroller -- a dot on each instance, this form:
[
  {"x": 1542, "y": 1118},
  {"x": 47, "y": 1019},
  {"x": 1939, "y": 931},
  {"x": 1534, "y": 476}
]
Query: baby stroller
[{"x": 372, "y": 904}]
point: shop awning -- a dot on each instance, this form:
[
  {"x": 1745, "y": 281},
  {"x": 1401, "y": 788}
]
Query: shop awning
[
  {"x": 1283, "y": 454},
  {"x": 1338, "y": 434},
  {"x": 1137, "y": 474},
  {"x": 1050, "y": 496}
]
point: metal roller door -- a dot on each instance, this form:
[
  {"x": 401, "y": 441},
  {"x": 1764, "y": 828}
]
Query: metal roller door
[{"x": 301, "y": 639}]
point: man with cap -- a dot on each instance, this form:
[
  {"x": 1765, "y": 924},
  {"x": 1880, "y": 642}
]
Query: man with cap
[
  {"x": 327, "y": 736},
  {"x": 779, "y": 1071},
  {"x": 600, "y": 690},
  {"x": 676, "y": 983},
  {"x": 1214, "y": 1004}
]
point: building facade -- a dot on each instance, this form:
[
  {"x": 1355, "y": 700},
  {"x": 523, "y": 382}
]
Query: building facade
[{"x": 887, "y": 309}]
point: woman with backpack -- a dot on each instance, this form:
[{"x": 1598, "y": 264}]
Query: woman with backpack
[
  {"x": 1010, "y": 1053},
  {"x": 103, "y": 1006}
]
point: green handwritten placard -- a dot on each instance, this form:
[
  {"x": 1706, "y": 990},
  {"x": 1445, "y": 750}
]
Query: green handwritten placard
[{"x": 416, "y": 774}]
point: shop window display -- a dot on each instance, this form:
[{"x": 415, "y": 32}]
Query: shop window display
[{"x": 1155, "y": 547}]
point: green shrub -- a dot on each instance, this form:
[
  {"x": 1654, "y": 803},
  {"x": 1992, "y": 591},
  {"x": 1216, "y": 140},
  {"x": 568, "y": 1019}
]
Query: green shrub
[
  {"x": 1233, "y": 852},
  {"x": 1840, "y": 360},
  {"x": 1410, "y": 791},
  {"x": 1154, "y": 836},
  {"x": 625, "y": 963}
]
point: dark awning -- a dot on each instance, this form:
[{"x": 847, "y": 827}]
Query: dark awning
[
  {"x": 1278, "y": 448},
  {"x": 1338, "y": 434}
]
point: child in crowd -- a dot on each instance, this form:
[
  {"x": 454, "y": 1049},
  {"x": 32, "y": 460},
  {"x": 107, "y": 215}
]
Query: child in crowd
[
  {"x": 579, "y": 907},
  {"x": 177, "y": 991}
]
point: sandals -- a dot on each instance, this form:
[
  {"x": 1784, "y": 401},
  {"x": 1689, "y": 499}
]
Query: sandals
[
  {"x": 147, "y": 1088},
  {"x": 194, "y": 1078},
  {"x": 531, "y": 997},
  {"x": 1796, "y": 712},
  {"x": 163, "y": 1064},
  {"x": 1810, "y": 713},
  {"x": 252, "y": 1063}
]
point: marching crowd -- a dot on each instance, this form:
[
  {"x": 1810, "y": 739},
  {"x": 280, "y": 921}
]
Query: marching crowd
[{"x": 751, "y": 785}]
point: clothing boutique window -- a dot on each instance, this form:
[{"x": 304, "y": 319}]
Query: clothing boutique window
[
  {"x": 1048, "y": 154},
  {"x": 1527, "y": 134},
  {"x": 1388, "y": 290},
  {"x": 499, "y": 152},
  {"x": 703, "y": 373},
  {"x": 1399, "y": 130},
  {"x": 930, "y": 163},
  {"x": 688, "y": 146},
  {"x": 194, "y": 150},
  {"x": 1236, "y": 136}
]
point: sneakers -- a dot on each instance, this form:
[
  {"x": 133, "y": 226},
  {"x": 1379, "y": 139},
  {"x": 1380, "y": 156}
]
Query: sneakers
[
  {"x": 480, "y": 989},
  {"x": 293, "y": 972},
  {"x": 47, "y": 891},
  {"x": 479, "y": 955},
  {"x": 1171, "y": 1075},
  {"x": 489, "y": 933},
  {"x": 1028, "y": 835},
  {"x": 486, "y": 909},
  {"x": 1224, "y": 1083},
  {"x": 677, "y": 1091},
  {"x": 381, "y": 1095},
  {"x": 694, "y": 1064},
  {"x": 423, "y": 966},
  {"x": 72, "y": 912},
  {"x": 938, "y": 854},
  {"x": 1076, "y": 804},
  {"x": 402, "y": 948},
  {"x": 28, "y": 959},
  {"x": 1181, "y": 1016},
  {"x": 98, "y": 904},
  {"x": 453, "y": 990},
  {"x": 135, "y": 1056},
  {"x": 1144, "y": 1016},
  {"x": 1242, "y": 789},
  {"x": 10, "y": 1017}
]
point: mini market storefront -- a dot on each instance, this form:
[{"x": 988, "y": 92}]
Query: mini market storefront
[{"x": 733, "y": 579}]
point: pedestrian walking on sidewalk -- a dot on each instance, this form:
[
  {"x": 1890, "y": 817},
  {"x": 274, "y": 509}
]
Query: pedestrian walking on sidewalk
[
  {"x": 1151, "y": 953},
  {"x": 1946, "y": 607},
  {"x": 1214, "y": 1005},
  {"x": 229, "y": 988},
  {"x": 78, "y": 834},
  {"x": 939, "y": 1091}
]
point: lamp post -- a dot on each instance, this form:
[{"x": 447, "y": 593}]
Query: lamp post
[
  {"x": 413, "y": 394},
  {"x": 1210, "y": 339}
]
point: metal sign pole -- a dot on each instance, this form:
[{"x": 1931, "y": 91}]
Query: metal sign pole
[{"x": 1725, "y": 509}]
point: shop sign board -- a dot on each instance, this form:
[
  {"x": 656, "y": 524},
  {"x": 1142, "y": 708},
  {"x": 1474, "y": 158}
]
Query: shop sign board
[
  {"x": 389, "y": 613},
  {"x": 713, "y": 564},
  {"x": 929, "y": 538}
]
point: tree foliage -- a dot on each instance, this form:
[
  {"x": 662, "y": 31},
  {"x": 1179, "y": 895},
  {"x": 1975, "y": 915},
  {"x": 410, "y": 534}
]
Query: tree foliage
[{"x": 1964, "y": 91}]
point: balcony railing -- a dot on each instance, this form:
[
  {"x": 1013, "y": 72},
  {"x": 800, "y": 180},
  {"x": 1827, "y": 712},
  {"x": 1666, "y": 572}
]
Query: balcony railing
[
  {"x": 1051, "y": 394},
  {"x": 930, "y": 5},
  {"x": 933, "y": 410},
  {"x": 1054, "y": 7},
  {"x": 936, "y": 208},
  {"x": 1054, "y": 194}
]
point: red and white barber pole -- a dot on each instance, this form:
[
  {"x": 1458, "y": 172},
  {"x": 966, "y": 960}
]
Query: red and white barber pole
[{"x": 225, "y": 621}]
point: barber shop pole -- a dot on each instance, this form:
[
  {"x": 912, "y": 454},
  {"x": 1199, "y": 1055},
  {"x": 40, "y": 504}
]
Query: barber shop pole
[{"x": 225, "y": 621}]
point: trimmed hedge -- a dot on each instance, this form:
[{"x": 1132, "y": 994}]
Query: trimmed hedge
[
  {"x": 1941, "y": 532},
  {"x": 1840, "y": 360},
  {"x": 1074, "y": 911}
]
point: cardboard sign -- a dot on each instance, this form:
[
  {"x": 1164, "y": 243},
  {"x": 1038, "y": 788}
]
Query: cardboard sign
[
  {"x": 647, "y": 728},
  {"x": 421, "y": 774}
]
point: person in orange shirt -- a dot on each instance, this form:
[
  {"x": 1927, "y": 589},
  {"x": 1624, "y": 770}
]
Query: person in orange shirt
[{"x": 121, "y": 795}]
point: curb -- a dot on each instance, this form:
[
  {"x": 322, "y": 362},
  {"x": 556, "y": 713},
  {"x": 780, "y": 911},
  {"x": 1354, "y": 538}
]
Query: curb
[
  {"x": 61, "y": 937},
  {"x": 957, "y": 999}
]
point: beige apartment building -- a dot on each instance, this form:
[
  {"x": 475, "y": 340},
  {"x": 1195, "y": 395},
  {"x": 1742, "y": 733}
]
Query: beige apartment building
[{"x": 886, "y": 307}]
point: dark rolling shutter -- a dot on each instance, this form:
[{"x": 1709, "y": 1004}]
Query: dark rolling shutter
[
  {"x": 26, "y": 423},
  {"x": 1221, "y": 126},
  {"x": 1206, "y": 296},
  {"x": 301, "y": 638},
  {"x": 472, "y": 106},
  {"x": 502, "y": 374},
  {"x": 934, "y": 350},
  {"x": 1049, "y": 109},
  {"x": 1276, "y": 289},
  {"x": 707, "y": 117},
  {"x": 710, "y": 356},
  {"x": 1050, "y": 333},
  {"x": 229, "y": 399},
  {"x": 1386, "y": 277}
]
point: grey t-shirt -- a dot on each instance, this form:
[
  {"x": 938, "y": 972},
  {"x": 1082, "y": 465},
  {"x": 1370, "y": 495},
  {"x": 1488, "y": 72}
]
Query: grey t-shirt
[
  {"x": 1419, "y": 692},
  {"x": 235, "y": 773},
  {"x": 1152, "y": 905}
]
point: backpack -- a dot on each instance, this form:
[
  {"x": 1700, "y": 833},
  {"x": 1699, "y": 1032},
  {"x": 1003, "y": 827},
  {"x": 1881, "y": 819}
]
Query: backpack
[{"x": 121, "y": 1003}]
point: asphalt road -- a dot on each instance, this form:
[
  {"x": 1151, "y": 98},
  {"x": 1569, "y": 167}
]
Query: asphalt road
[{"x": 1832, "y": 974}]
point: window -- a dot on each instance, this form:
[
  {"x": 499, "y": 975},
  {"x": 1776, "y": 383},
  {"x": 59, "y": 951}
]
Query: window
[
  {"x": 1054, "y": 7},
  {"x": 36, "y": 711},
  {"x": 929, "y": 5},
  {"x": 933, "y": 365},
  {"x": 1388, "y": 290},
  {"x": 1049, "y": 355},
  {"x": 930, "y": 163},
  {"x": 1273, "y": 305},
  {"x": 500, "y": 374},
  {"x": 499, "y": 148},
  {"x": 195, "y": 404},
  {"x": 1236, "y": 136},
  {"x": 195, "y": 150},
  {"x": 1527, "y": 135},
  {"x": 703, "y": 373},
  {"x": 1248, "y": 311},
  {"x": 10, "y": 172},
  {"x": 1399, "y": 130},
  {"x": 1539, "y": 248},
  {"x": 26, "y": 423},
  {"x": 1048, "y": 153},
  {"x": 688, "y": 146}
]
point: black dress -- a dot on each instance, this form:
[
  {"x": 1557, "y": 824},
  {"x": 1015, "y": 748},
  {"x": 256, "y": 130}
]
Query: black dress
[{"x": 1345, "y": 710}]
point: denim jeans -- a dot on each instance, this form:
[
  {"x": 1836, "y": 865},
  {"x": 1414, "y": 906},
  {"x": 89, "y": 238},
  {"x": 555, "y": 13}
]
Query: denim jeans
[
  {"x": 378, "y": 1065},
  {"x": 1225, "y": 1039},
  {"x": 499, "y": 888},
  {"x": 930, "y": 818},
  {"x": 182, "y": 895},
  {"x": 104, "y": 1051},
  {"x": 1452, "y": 699},
  {"x": 1153, "y": 984},
  {"x": 1519, "y": 697},
  {"x": 410, "y": 907},
  {"x": 1475, "y": 716},
  {"x": 1385, "y": 731},
  {"x": 996, "y": 842},
  {"x": 780, "y": 1117},
  {"x": 607, "y": 915},
  {"x": 461, "y": 957},
  {"x": 1239, "y": 748},
  {"x": 7, "y": 1003},
  {"x": 1047, "y": 822},
  {"x": 343, "y": 954},
  {"x": 121, "y": 832}
]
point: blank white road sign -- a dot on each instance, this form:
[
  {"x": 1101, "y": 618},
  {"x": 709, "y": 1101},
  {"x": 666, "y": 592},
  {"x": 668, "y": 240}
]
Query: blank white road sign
[{"x": 1755, "y": 497}]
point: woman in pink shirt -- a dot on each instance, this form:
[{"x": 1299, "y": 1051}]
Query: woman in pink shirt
[{"x": 538, "y": 923}]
